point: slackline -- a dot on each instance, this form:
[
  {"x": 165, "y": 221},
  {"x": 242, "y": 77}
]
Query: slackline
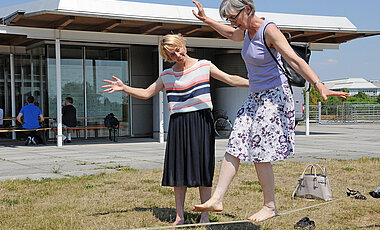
[{"x": 234, "y": 221}]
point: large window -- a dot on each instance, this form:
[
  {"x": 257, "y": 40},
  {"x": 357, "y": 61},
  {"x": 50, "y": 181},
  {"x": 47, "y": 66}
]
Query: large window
[{"x": 83, "y": 70}]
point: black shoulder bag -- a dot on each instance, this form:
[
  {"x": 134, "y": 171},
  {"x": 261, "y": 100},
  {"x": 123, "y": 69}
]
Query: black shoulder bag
[{"x": 303, "y": 51}]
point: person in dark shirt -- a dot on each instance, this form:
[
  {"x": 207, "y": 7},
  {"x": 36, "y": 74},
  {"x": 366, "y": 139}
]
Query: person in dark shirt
[{"x": 69, "y": 118}]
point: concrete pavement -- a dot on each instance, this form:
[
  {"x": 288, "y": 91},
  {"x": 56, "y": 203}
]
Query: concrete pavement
[{"x": 83, "y": 157}]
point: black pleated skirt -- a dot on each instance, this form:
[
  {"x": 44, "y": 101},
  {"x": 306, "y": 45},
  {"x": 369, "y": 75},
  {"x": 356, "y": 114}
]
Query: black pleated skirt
[{"x": 190, "y": 150}]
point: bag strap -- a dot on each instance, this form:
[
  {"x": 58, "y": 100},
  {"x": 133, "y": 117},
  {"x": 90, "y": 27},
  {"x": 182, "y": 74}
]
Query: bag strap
[
  {"x": 310, "y": 165},
  {"x": 294, "y": 192},
  {"x": 271, "y": 54}
]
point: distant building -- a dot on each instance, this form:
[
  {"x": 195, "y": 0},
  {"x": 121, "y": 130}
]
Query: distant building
[{"x": 355, "y": 85}]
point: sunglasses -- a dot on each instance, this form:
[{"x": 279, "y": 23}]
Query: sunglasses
[{"x": 234, "y": 19}]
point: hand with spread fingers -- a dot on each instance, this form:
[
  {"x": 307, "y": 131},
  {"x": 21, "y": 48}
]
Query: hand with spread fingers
[
  {"x": 113, "y": 86},
  {"x": 201, "y": 15},
  {"x": 324, "y": 92}
]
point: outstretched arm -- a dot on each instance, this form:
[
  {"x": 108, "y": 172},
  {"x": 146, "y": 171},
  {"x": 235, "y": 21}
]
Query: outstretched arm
[
  {"x": 118, "y": 85},
  {"x": 277, "y": 40},
  {"x": 223, "y": 29},
  {"x": 232, "y": 80}
]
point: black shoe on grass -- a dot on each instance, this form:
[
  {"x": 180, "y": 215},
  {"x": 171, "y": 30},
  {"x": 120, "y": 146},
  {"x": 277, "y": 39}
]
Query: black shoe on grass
[{"x": 305, "y": 224}]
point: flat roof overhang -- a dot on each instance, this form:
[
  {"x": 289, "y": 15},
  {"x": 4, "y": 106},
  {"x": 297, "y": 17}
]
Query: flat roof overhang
[{"x": 86, "y": 22}]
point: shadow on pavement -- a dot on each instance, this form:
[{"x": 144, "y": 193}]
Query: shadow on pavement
[{"x": 316, "y": 133}]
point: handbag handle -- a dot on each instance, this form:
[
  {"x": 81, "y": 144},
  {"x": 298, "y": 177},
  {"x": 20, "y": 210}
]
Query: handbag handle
[
  {"x": 290, "y": 36},
  {"x": 304, "y": 171},
  {"x": 315, "y": 171}
]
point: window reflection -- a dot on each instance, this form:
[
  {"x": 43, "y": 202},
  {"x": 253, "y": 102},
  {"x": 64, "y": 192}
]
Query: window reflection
[{"x": 82, "y": 72}]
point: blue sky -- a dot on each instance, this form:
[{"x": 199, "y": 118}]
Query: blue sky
[{"x": 357, "y": 58}]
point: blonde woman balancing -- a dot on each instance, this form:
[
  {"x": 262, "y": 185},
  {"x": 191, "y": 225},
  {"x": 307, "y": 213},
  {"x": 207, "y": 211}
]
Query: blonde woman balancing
[{"x": 190, "y": 147}]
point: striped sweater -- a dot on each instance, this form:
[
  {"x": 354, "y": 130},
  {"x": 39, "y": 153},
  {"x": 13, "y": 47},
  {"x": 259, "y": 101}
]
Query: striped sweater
[{"x": 188, "y": 90}]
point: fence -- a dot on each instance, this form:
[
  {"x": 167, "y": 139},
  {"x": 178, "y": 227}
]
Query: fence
[{"x": 350, "y": 113}]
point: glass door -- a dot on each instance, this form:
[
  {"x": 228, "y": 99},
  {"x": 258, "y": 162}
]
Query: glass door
[
  {"x": 103, "y": 63},
  {"x": 72, "y": 78}
]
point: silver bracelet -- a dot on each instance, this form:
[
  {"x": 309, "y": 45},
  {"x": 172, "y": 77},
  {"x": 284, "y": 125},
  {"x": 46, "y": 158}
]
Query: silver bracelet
[{"x": 316, "y": 82}]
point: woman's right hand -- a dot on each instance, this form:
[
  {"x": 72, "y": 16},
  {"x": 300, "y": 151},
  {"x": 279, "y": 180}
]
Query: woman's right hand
[
  {"x": 201, "y": 15},
  {"x": 113, "y": 86}
]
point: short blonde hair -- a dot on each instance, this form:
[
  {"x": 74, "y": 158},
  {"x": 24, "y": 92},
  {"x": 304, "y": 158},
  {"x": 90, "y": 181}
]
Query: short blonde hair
[{"x": 176, "y": 40}]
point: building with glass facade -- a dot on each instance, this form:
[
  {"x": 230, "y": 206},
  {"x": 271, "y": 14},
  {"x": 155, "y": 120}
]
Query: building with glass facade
[{"x": 52, "y": 49}]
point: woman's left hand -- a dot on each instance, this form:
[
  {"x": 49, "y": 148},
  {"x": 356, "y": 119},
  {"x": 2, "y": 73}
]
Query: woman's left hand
[{"x": 325, "y": 92}]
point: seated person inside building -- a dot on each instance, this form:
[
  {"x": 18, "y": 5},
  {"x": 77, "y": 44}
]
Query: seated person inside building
[
  {"x": 32, "y": 116},
  {"x": 69, "y": 118},
  {"x": 1, "y": 117}
]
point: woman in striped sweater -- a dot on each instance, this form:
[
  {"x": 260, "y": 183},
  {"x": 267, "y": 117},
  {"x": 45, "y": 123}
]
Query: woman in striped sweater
[{"x": 190, "y": 151}]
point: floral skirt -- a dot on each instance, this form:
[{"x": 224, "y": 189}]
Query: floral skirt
[{"x": 264, "y": 128}]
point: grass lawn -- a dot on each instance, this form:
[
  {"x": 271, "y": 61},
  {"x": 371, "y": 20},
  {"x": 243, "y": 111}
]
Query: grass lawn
[{"x": 135, "y": 199}]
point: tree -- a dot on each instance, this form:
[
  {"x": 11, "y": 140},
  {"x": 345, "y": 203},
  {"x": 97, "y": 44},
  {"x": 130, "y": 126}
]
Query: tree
[
  {"x": 314, "y": 96},
  {"x": 360, "y": 97},
  {"x": 378, "y": 99}
]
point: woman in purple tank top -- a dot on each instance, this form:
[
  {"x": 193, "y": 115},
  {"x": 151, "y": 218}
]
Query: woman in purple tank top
[{"x": 264, "y": 128}]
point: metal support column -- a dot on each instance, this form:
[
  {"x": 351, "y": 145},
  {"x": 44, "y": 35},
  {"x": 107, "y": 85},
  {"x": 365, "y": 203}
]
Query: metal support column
[
  {"x": 59, "y": 90},
  {"x": 307, "y": 105},
  {"x": 22, "y": 90},
  {"x": 319, "y": 112},
  {"x": 32, "y": 78},
  {"x": 85, "y": 92},
  {"x": 161, "y": 101},
  {"x": 6, "y": 91},
  {"x": 13, "y": 93},
  {"x": 42, "y": 95}
]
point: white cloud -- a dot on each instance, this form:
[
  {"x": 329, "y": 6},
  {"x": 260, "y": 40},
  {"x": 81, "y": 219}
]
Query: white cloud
[{"x": 329, "y": 62}]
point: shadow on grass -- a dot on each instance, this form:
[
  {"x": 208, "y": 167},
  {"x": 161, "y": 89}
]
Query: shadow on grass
[{"x": 168, "y": 215}]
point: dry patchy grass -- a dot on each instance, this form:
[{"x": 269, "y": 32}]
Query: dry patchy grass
[{"x": 135, "y": 199}]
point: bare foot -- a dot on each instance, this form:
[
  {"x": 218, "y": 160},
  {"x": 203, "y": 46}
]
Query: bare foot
[
  {"x": 178, "y": 221},
  {"x": 264, "y": 214},
  {"x": 209, "y": 206}
]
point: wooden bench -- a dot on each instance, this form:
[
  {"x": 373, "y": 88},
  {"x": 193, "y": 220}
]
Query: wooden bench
[
  {"x": 12, "y": 129},
  {"x": 97, "y": 128},
  {"x": 73, "y": 128}
]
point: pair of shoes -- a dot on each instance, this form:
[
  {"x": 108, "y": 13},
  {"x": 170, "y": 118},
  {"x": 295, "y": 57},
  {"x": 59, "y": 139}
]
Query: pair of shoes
[
  {"x": 356, "y": 194},
  {"x": 305, "y": 224},
  {"x": 375, "y": 193},
  {"x": 66, "y": 141}
]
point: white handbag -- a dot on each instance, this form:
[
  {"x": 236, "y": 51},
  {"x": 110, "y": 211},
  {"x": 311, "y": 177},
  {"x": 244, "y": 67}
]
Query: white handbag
[{"x": 313, "y": 185}]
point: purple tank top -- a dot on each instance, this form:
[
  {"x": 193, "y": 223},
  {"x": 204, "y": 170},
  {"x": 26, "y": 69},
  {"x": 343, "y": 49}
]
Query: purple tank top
[{"x": 263, "y": 71}]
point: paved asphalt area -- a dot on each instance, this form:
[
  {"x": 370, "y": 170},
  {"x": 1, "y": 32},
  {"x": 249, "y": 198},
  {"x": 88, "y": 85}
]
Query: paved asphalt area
[{"x": 81, "y": 157}]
